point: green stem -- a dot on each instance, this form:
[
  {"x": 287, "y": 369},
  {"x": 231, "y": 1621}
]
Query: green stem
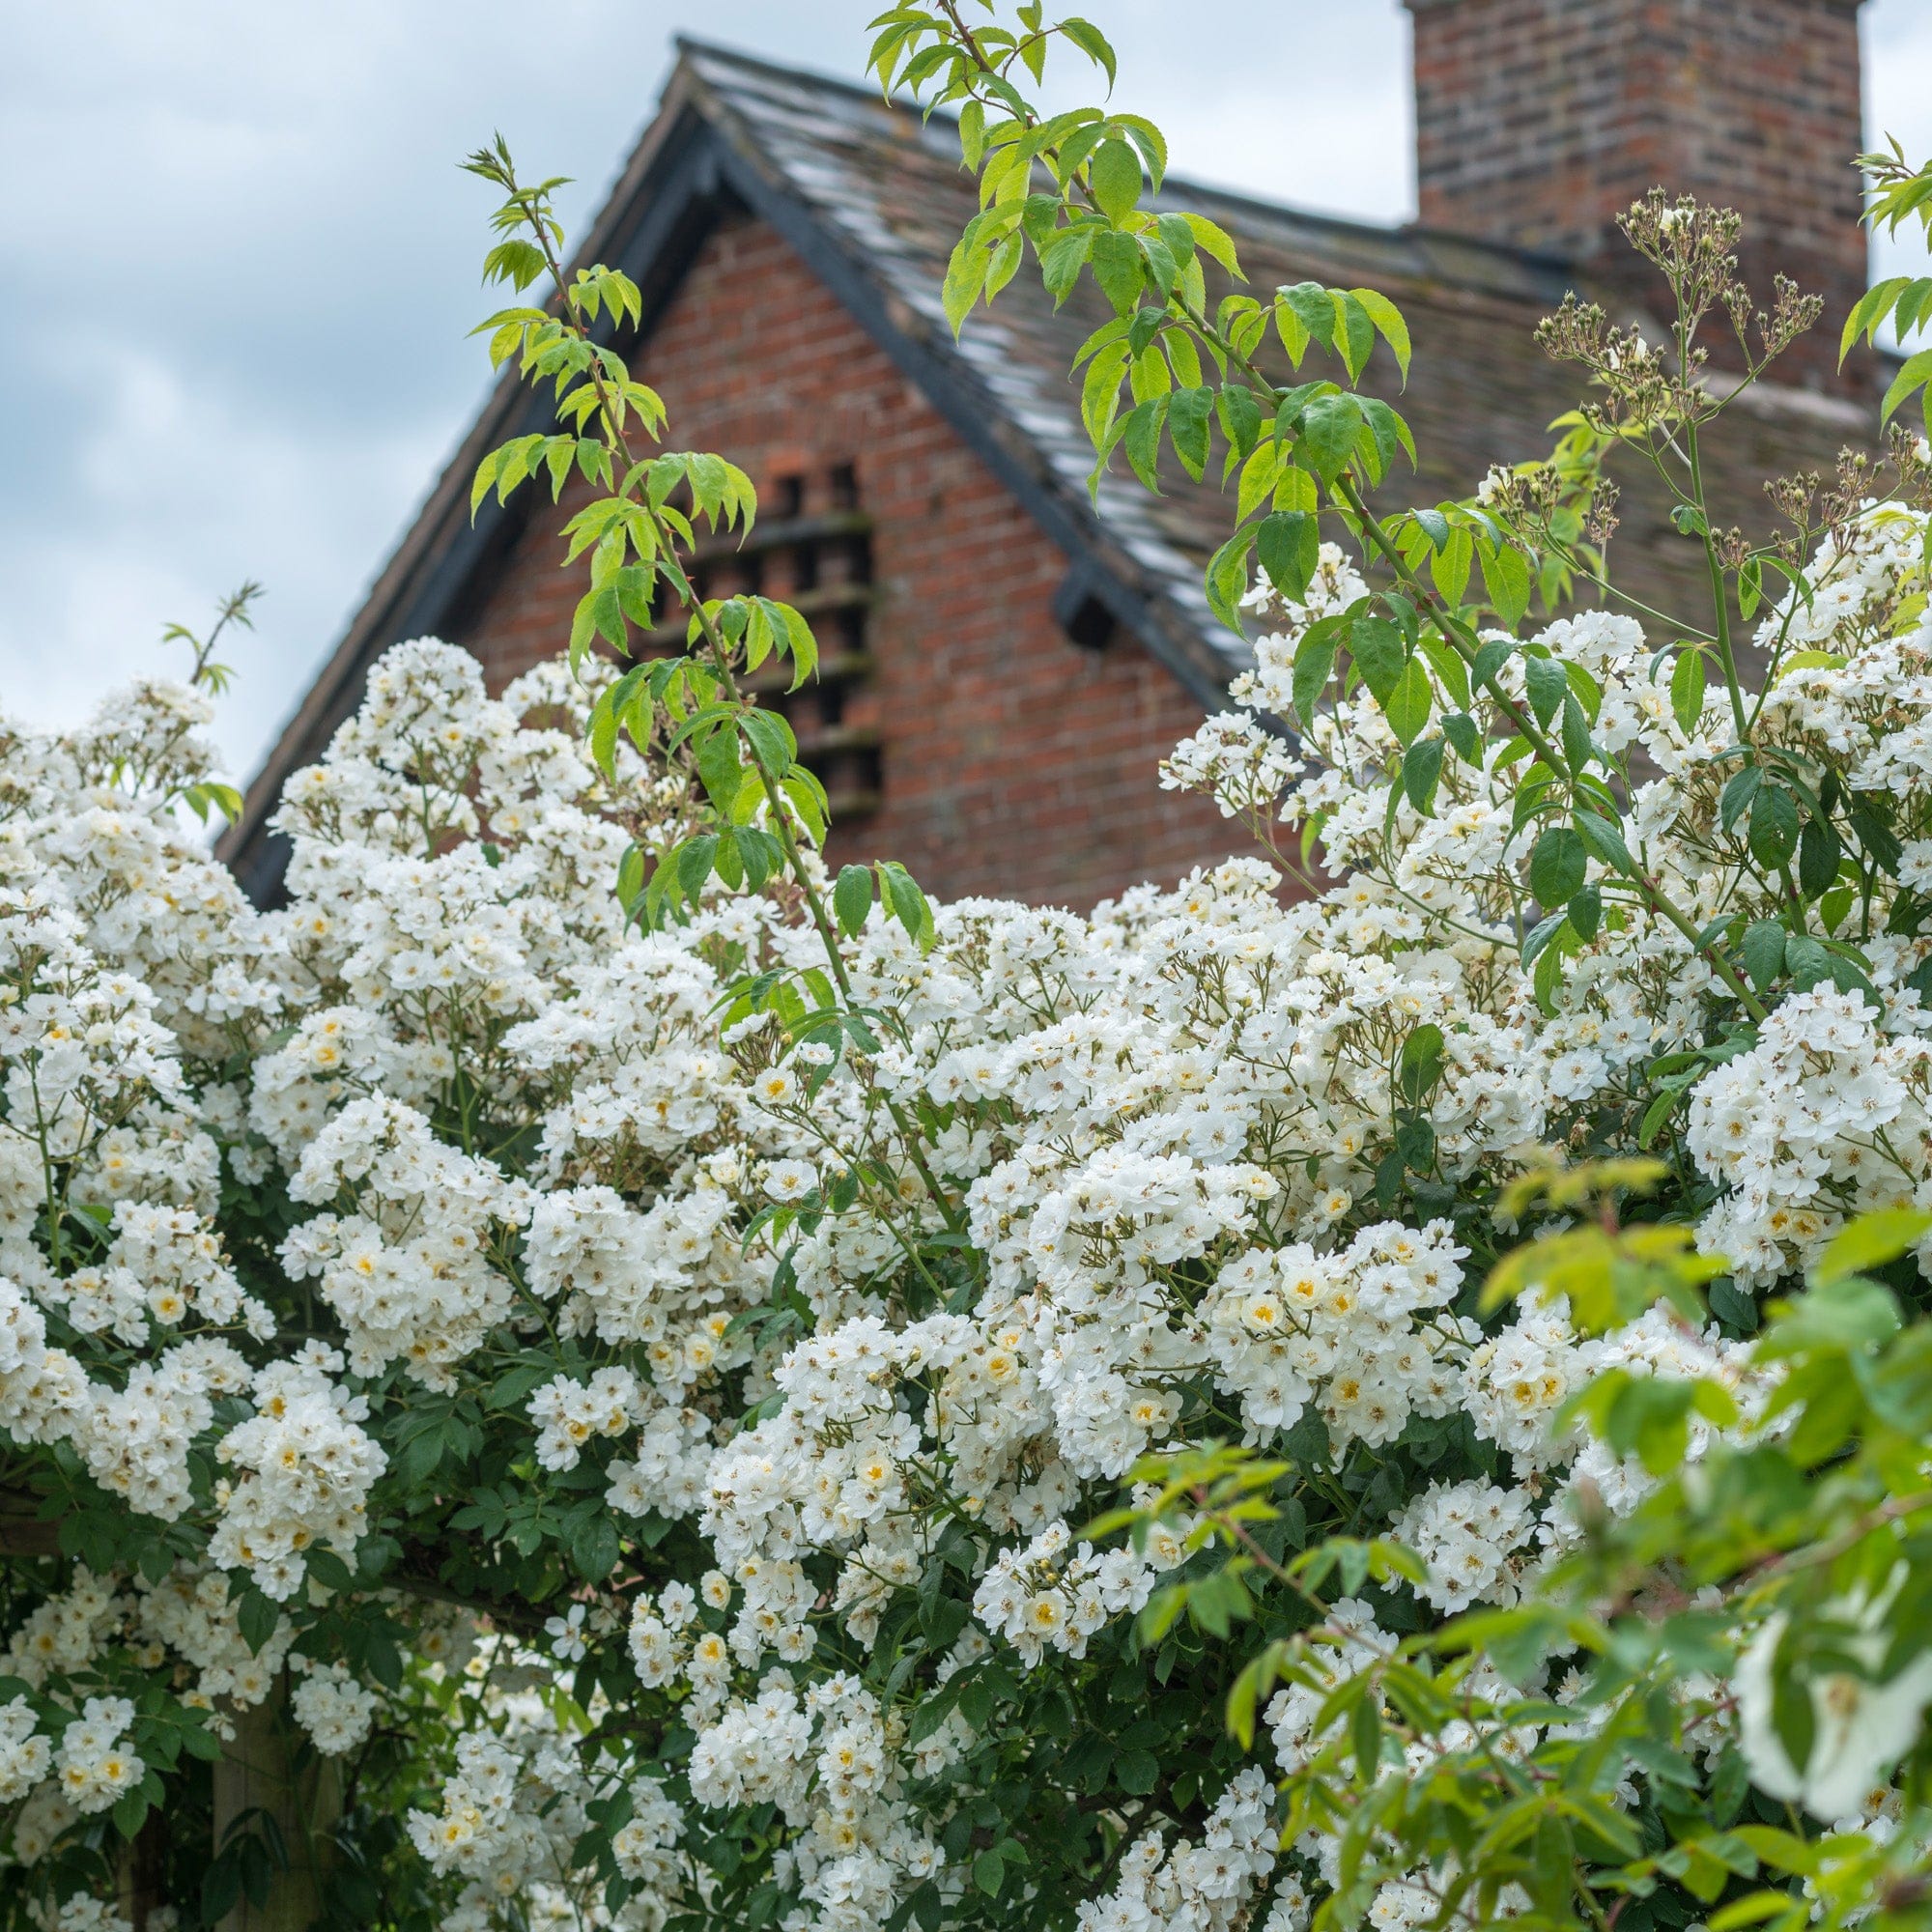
[
  {"x": 720, "y": 661},
  {"x": 1457, "y": 634},
  {"x": 1720, "y": 592},
  {"x": 1623, "y": 596}
]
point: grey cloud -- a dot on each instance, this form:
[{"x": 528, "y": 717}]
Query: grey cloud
[{"x": 237, "y": 289}]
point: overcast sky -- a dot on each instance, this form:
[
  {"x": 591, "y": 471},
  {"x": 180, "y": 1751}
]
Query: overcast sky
[{"x": 238, "y": 264}]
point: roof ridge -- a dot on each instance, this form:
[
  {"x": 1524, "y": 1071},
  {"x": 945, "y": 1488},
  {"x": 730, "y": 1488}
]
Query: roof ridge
[
  {"x": 1175, "y": 185},
  {"x": 690, "y": 43}
]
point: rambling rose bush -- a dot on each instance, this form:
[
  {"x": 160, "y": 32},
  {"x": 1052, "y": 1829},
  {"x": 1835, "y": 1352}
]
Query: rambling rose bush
[
  {"x": 517, "y": 1159},
  {"x": 758, "y": 1399}
]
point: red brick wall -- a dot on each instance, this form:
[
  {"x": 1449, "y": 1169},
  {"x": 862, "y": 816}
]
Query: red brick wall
[
  {"x": 1539, "y": 120},
  {"x": 1013, "y": 762}
]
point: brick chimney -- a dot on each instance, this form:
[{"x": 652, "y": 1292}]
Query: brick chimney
[{"x": 1537, "y": 121}]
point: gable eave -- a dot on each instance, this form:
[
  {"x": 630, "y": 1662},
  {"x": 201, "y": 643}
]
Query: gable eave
[{"x": 666, "y": 195}]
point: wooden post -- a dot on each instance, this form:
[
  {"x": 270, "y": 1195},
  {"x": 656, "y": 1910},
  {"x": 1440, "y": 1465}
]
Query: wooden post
[
  {"x": 257, "y": 1772},
  {"x": 141, "y": 1871},
  {"x": 22, "y": 1532}
]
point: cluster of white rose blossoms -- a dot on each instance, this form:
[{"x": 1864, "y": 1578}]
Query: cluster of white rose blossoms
[{"x": 504, "y": 1127}]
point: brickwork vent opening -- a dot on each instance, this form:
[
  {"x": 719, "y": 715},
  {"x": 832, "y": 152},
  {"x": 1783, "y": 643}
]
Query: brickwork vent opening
[
  {"x": 1080, "y": 612},
  {"x": 813, "y": 547}
]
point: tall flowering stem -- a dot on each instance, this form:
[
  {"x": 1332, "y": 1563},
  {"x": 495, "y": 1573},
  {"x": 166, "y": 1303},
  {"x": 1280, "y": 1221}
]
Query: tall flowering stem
[{"x": 745, "y": 757}]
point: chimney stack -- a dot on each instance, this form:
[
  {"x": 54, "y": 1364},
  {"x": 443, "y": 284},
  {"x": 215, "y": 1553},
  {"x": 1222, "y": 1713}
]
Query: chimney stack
[{"x": 1538, "y": 122}]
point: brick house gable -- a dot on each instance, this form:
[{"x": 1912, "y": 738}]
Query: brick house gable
[
  {"x": 1023, "y": 655},
  {"x": 977, "y": 741}
]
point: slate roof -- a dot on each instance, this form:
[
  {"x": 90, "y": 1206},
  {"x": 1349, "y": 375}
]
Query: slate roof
[
  {"x": 892, "y": 194},
  {"x": 874, "y": 199}
]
